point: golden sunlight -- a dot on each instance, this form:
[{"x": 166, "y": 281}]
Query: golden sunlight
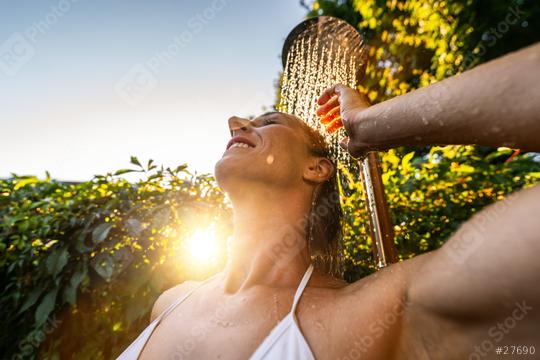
[{"x": 202, "y": 246}]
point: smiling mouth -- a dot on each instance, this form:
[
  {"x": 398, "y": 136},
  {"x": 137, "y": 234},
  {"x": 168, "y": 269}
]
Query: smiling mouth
[
  {"x": 239, "y": 145},
  {"x": 240, "y": 142}
]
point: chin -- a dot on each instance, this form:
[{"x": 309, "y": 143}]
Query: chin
[{"x": 229, "y": 170}]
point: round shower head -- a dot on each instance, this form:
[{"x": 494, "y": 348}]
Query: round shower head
[{"x": 329, "y": 32}]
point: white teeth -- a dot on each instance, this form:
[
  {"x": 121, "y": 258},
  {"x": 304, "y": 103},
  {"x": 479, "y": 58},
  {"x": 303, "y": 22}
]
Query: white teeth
[{"x": 239, "y": 144}]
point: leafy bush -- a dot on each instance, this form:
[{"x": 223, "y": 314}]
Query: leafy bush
[
  {"x": 84, "y": 262},
  {"x": 429, "y": 196}
]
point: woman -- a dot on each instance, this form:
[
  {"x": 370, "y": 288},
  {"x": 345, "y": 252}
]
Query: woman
[{"x": 462, "y": 301}]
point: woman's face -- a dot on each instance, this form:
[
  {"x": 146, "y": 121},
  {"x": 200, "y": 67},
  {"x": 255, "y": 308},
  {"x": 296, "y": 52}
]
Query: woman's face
[{"x": 269, "y": 149}]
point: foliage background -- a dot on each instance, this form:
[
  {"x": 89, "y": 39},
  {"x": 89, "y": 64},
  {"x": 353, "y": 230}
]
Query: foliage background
[{"x": 81, "y": 264}]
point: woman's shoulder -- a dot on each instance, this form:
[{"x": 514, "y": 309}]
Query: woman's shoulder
[{"x": 169, "y": 296}]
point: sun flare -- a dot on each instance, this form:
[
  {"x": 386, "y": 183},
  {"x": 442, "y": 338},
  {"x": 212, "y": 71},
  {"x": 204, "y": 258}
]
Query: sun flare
[{"x": 202, "y": 246}]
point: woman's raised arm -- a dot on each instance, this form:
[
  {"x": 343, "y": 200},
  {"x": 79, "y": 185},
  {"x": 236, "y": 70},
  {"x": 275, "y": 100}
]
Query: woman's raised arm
[{"x": 494, "y": 104}]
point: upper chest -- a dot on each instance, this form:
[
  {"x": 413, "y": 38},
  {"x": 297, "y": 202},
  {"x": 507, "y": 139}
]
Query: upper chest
[
  {"x": 206, "y": 325},
  {"x": 209, "y": 326}
]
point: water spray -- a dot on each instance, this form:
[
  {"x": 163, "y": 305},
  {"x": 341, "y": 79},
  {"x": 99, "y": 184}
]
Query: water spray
[{"x": 318, "y": 53}]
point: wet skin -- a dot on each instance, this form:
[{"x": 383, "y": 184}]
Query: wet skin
[{"x": 479, "y": 291}]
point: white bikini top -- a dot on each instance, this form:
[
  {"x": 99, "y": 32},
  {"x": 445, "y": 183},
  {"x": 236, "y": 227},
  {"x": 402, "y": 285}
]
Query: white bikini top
[{"x": 285, "y": 341}]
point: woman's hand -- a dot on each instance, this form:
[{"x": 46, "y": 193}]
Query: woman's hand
[{"x": 341, "y": 104}]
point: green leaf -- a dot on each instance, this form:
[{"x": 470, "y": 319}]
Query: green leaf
[
  {"x": 124, "y": 171},
  {"x": 45, "y": 307},
  {"x": 135, "y": 161},
  {"x": 22, "y": 183},
  {"x": 405, "y": 162},
  {"x": 80, "y": 245},
  {"x": 56, "y": 261},
  {"x": 498, "y": 153},
  {"x": 31, "y": 299},
  {"x": 133, "y": 226},
  {"x": 103, "y": 264},
  {"x": 155, "y": 176},
  {"x": 70, "y": 292},
  {"x": 181, "y": 168},
  {"x": 100, "y": 232}
]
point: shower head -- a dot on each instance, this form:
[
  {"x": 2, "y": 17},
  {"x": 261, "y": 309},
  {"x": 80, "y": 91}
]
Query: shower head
[{"x": 329, "y": 32}]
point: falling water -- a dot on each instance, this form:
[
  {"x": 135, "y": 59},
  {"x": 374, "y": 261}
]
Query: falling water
[{"x": 320, "y": 55}]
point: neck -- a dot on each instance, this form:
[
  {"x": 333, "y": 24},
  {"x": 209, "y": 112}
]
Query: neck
[{"x": 269, "y": 242}]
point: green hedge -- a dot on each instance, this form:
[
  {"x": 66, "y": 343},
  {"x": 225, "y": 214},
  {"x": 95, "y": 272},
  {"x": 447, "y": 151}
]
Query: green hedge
[{"x": 81, "y": 264}]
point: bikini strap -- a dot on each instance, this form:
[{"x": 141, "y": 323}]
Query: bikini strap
[
  {"x": 301, "y": 287},
  {"x": 181, "y": 299}
]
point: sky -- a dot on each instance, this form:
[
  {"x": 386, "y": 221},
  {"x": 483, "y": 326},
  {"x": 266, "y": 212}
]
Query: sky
[{"x": 85, "y": 84}]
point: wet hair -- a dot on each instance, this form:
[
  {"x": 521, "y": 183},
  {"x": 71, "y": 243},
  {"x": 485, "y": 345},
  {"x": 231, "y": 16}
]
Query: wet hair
[{"x": 326, "y": 217}]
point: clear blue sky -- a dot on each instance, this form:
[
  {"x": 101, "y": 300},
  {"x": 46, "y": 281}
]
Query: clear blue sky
[{"x": 84, "y": 84}]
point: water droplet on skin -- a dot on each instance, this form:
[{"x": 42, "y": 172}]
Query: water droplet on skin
[
  {"x": 424, "y": 120},
  {"x": 270, "y": 159},
  {"x": 319, "y": 325},
  {"x": 495, "y": 129}
]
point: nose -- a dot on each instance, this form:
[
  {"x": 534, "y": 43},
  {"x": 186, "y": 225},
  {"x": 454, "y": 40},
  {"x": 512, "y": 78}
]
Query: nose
[{"x": 237, "y": 123}]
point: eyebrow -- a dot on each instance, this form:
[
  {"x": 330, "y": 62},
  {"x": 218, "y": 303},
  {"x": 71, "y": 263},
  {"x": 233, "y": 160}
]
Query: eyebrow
[
  {"x": 269, "y": 113},
  {"x": 275, "y": 113}
]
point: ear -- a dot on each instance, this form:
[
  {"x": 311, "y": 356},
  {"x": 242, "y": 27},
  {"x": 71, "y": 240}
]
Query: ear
[{"x": 318, "y": 169}]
